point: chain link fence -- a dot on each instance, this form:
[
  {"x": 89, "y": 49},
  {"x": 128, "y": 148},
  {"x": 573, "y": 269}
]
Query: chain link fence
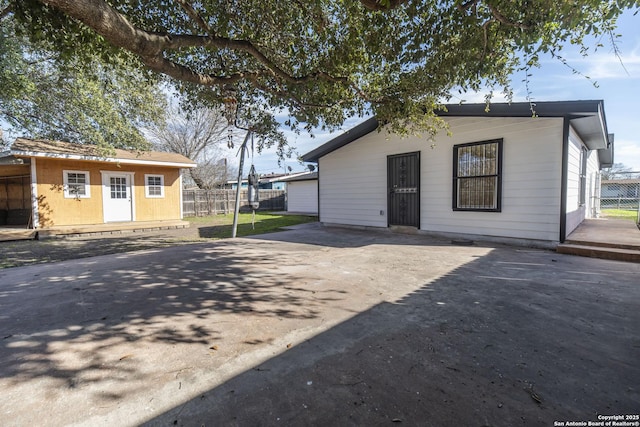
[{"x": 620, "y": 195}]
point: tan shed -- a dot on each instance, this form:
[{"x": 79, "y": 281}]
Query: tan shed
[{"x": 56, "y": 187}]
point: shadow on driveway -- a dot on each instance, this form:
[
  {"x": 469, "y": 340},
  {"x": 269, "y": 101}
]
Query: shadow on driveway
[{"x": 347, "y": 328}]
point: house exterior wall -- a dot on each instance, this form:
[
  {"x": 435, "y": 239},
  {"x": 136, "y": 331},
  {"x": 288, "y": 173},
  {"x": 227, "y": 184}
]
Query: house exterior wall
[
  {"x": 354, "y": 179},
  {"x": 577, "y": 212},
  {"x": 302, "y": 196},
  {"x": 593, "y": 185},
  {"x": 54, "y": 209}
]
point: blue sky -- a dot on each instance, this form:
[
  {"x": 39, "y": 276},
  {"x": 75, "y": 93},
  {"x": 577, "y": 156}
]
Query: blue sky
[{"x": 618, "y": 86}]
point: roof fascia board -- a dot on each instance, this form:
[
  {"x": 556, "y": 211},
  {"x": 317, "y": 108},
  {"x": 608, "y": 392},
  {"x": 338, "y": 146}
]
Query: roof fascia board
[
  {"x": 301, "y": 178},
  {"x": 101, "y": 159},
  {"x": 298, "y": 176},
  {"x": 606, "y": 155},
  {"x": 341, "y": 140},
  {"x": 523, "y": 109},
  {"x": 603, "y": 125},
  {"x": 560, "y": 109},
  {"x": 281, "y": 178}
]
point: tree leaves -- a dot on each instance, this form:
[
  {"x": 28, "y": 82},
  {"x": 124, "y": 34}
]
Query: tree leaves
[
  {"x": 75, "y": 100},
  {"x": 323, "y": 61}
]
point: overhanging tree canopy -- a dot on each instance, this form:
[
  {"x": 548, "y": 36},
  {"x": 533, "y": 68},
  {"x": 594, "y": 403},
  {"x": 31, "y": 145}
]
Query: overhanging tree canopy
[
  {"x": 78, "y": 100},
  {"x": 324, "y": 60}
]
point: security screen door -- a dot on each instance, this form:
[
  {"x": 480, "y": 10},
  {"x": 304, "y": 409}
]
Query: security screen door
[{"x": 403, "y": 178}]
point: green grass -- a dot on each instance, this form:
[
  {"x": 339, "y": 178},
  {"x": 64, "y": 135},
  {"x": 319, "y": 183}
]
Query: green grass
[
  {"x": 621, "y": 214},
  {"x": 219, "y": 226}
]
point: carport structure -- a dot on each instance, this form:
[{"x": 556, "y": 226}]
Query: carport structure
[{"x": 15, "y": 199}]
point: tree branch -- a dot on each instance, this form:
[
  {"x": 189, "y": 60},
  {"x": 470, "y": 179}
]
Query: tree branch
[
  {"x": 485, "y": 41},
  {"x": 466, "y": 6},
  {"x": 116, "y": 29},
  {"x": 381, "y": 4},
  {"x": 301, "y": 104},
  {"x": 616, "y": 50},
  {"x": 180, "y": 72},
  {"x": 4, "y": 12},
  {"x": 195, "y": 16},
  {"x": 504, "y": 20}
]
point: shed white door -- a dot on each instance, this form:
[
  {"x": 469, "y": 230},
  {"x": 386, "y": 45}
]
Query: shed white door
[{"x": 117, "y": 197}]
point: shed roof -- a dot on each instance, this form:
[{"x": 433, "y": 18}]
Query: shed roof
[
  {"x": 587, "y": 118},
  {"x": 24, "y": 147},
  {"x": 304, "y": 176}
]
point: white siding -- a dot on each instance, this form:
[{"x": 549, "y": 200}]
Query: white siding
[
  {"x": 302, "y": 196},
  {"x": 575, "y": 212},
  {"x": 593, "y": 185},
  {"x": 354, "y": 178}
]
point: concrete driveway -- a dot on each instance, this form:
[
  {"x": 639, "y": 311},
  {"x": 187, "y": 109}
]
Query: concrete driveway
[{"x": 320, "y": 327}]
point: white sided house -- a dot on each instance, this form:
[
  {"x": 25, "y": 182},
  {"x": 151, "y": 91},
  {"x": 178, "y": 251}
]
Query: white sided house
[{"x": 502, "y": 174}]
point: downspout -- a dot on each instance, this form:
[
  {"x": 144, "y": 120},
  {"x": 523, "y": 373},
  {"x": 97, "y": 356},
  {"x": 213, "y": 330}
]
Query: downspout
[
  {"x": 180, "y": 171},
  {"x": 564, "y": 183},
  {"x": 34, "y": 195},
  {"x": 318, "y": 185}
]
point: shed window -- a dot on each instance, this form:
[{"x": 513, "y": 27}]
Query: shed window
[
  {"x": 154, "y": 186},
  {"x": 477, "y": 176},
  {"x": 76, "y": 184}
]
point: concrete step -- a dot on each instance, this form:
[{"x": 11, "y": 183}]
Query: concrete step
[
  {"x": 594, "y": 251},
  {"x": 633, "y": 247},
  {"x": 7, "y": 234},
  {"x": 109, "y": 228}
]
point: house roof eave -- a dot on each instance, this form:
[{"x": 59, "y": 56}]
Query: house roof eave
[
  {"x": 28, "y": 148},
  {"x": 36, "y": 154},
  {"x": 341, "y": 140},
  {"x": 586, "y": 116}
]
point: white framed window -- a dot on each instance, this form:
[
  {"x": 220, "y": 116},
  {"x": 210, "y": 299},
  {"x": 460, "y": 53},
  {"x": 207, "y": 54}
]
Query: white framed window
[
  {"x": 154, "y": 186},
  {"x": 76, "y": 184}
]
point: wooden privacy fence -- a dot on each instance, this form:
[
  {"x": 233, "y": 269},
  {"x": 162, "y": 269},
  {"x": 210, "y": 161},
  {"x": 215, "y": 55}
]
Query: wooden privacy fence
[{"x": 213, "y": 202}]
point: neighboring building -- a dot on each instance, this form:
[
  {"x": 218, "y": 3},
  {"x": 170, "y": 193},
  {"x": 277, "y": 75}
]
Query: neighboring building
[
  {"x": 501, "y": 174},
  {"x": 621, "y": 188},
  {"x": 271, "y": 181},
  {"x": 620, "y": 194},
  {"x": 302, "y": 193},
  {"x": 53, "y": 184}
]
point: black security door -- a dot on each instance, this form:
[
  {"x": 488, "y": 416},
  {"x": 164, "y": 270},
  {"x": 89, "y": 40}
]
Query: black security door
[{"x": 403, "y": 177}]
